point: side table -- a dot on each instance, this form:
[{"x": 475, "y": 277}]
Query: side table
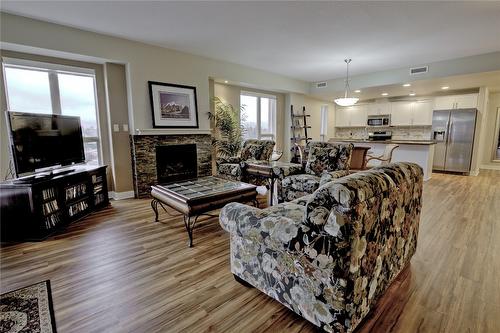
[{"x": 265, "y": 169}]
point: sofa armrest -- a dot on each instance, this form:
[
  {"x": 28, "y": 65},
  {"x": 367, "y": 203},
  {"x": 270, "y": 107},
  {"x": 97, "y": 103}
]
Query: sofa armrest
[
  {"x": 274, "y": 230},
  {"x": 332, "y": 175},
  {"x": 283, "y": 171}
]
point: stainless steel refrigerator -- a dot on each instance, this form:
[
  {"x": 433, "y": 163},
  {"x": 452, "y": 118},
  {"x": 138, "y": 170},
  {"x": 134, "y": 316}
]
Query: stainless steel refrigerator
[{"x": 454, "y": 132}]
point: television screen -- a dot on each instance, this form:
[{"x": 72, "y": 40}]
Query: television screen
[{"x": 44, "y": 140}]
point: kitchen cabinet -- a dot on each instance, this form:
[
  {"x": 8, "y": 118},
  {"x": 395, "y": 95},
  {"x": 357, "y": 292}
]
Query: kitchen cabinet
[
  {"x": 401, "y": 113},
  {"x": 412, "y": 113},
  {"x": 351, "y": 116},
  {"x": 376, "y": 109},
  {"x": 467, "y": 101},
  {"x": 422, "y": 113}
]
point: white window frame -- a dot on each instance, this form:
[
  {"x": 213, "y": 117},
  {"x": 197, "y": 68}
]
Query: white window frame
[
  {"x": 52, "y": 70},
  {"x": 260, "y": 135},
  {"x": 324, "y": 122},
  {"x": 496, "y": 137}
]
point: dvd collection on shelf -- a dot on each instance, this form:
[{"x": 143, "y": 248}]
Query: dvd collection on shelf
[
  {"x": 77, "y": 208},
  {"x": 76, "y": 191},
  {"x": 48, "y": 193},
  {"x": 99, "y": 198}
]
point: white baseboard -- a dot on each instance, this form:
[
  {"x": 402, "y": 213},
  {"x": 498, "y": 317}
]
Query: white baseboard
[
  {"x": 490, "y": 166},
  {"x": 474, "y": 173},
  {"x": 121, "y": 195}
]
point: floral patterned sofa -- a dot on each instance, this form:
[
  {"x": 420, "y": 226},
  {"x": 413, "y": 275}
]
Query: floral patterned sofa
[
  {"x": 325, "y": 162},
  {"x": 253, "y": 150},
  {"x": 330, "y": 255}
]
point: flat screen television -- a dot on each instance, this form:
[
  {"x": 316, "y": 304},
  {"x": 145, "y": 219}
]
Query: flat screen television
[{"x": 40, "y": 141}]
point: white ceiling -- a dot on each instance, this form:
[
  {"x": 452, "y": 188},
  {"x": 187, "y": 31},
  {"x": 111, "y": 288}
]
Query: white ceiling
[
  {"x": 429, "y": 87},
  {"x": 305, "y": 40}
]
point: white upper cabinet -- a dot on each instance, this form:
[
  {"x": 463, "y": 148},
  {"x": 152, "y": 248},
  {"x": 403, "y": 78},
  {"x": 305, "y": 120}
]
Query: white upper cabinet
[
  {"x": 467, "y": 101},
  {"x": 350, "y": 116},
  {"x": 376, "y": 109},
  {"x": 341, "y": 117},
  {"x": 401, "y": 114},
  {"x": 412, "y": 113},
  {"x": 422, "y": 113}
]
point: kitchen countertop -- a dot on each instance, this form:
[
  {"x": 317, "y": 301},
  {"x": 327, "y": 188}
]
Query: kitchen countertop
[{"x": 395, "y": 141}]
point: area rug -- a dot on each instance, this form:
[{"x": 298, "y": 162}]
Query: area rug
[{"x": 28, "y": 309}]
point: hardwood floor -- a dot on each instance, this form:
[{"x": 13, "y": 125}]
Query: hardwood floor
[{"x": 117, "y": 271}]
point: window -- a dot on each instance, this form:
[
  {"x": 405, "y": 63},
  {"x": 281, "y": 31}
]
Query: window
[
  {"x": 324, "y": 122},
  {"x": 496, "y": 153},
  {"x": 259, "y": 116},
  {"x": 46, "y": 88}
]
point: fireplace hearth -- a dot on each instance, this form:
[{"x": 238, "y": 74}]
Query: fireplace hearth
[
  {"x": 176, "y": 162},
  {"x": 144, "y": 159}
]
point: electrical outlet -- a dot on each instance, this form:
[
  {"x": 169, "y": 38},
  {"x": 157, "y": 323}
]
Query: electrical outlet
[
  {"x": 116, "y": 128},
  {"x": 125, "y": 127}
]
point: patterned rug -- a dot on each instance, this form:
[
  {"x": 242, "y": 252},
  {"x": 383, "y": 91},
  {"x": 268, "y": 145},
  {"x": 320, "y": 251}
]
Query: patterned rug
[{"x": 28, "y": 309}]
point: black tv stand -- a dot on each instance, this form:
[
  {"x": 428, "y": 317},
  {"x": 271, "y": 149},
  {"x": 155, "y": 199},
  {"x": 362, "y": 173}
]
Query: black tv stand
[
  {"x": 61, "y": 172},
  {"x": 34, "y": 207}
]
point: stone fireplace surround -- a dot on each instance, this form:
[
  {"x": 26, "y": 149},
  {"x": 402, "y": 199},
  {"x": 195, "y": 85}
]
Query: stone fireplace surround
[{"x": 144, "y": 157}]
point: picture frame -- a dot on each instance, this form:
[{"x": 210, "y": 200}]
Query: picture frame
[{"x": 173, "y": 105}]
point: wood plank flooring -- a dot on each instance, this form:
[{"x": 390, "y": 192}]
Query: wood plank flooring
[{"x": 117, "y": 271}]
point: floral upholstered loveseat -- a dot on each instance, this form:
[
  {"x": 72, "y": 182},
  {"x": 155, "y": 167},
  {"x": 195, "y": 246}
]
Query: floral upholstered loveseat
[
  {"x": 253, "y": 150},
  {"x": 325, "y": 162},
  {"x": 330, "y": 255}
]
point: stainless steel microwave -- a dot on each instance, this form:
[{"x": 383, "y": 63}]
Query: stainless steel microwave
[{"x": 379, "y": 120}]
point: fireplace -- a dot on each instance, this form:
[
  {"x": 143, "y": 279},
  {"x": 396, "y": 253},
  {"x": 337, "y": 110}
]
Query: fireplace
[{"x": 176, "y": 162}]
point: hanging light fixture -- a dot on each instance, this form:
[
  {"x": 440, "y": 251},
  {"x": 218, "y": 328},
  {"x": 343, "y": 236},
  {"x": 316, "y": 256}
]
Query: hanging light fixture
[{"x": 346, "y": 100}]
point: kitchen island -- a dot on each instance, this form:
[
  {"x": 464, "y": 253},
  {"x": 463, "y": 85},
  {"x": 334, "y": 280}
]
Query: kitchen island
[{"x": 420, "y": 152}]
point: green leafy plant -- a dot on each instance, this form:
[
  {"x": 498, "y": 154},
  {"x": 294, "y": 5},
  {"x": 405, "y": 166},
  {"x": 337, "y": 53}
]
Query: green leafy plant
[{"x": 228, "y": 131}]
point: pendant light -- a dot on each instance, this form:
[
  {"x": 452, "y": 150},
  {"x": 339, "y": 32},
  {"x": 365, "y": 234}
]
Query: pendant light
[{"x": 346, "y": 100}]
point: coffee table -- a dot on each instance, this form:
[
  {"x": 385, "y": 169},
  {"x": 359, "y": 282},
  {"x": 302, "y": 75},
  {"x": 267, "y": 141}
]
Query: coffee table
[
  {"x": 196, "y": 197},
  {"x": 265, "y": 169}
]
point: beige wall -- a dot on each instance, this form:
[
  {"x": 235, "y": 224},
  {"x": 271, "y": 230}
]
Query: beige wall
[
  {"x": 117, "y": 105},
  {"x": 490, "y": 127},
  {"x": 144, "y": 62},
  {"x": 101, "y": 104},
  {"x": 313, "y": 107},
  {"x": 140, "y": 63},
  {"x": 231, "y": 94}
]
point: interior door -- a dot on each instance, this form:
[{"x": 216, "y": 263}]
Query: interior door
[
  {"x": 460, "y": 140},
  {"x": 440, "y": 121}
]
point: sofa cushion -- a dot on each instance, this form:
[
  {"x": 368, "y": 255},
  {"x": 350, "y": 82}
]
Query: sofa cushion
[
  {"x": 251, "y": 151},
  {"x": 302, "y": 182},
  {"x": 327, "y": 159}
]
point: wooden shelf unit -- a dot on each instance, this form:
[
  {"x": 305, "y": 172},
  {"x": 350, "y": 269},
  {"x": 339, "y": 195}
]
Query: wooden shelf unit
[
  {"x": 35, "y": 210},
  {"x": 299, "y": 135}
]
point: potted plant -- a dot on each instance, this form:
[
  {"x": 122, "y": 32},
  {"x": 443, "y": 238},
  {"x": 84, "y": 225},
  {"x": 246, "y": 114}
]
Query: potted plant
[{"x": 228, "y": 132}]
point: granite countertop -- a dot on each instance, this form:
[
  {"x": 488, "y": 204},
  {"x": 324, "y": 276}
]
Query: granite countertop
[{"x": 395, "y": 141}]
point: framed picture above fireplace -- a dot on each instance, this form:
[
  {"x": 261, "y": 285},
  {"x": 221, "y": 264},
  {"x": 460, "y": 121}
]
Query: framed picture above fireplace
[{"x": 173, "y": 105}]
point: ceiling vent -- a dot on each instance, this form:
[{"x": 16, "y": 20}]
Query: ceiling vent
[
  {"x": 321, "y": 84},
  {"x": 419, "y": 70}
]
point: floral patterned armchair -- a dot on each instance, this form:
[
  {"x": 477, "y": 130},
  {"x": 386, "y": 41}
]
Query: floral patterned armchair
[
  {"x": 253, "y": 150},
  {"x": 326, "y": 161},
  {"x": 330, "y": 255}
]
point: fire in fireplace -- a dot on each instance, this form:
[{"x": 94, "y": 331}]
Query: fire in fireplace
[{"x": 176, "y": 162}]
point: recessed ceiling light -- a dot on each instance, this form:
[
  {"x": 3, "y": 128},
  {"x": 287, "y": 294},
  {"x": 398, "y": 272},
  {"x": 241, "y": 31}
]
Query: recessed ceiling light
[
  {"x": 384, "y": 94},
  {"x": 357, "y": 91},
  {"x": 225, "y": 81},
  {"x": 412, "y": 94},
  {"x": 406, "y": 85},
  {"x": 445, "y": 87}
]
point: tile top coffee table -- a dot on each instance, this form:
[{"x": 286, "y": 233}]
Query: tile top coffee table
[{"x": 199, "y": 196}]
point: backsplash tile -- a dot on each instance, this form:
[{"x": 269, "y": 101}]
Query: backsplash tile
[{"x": 398, "y": 133}]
